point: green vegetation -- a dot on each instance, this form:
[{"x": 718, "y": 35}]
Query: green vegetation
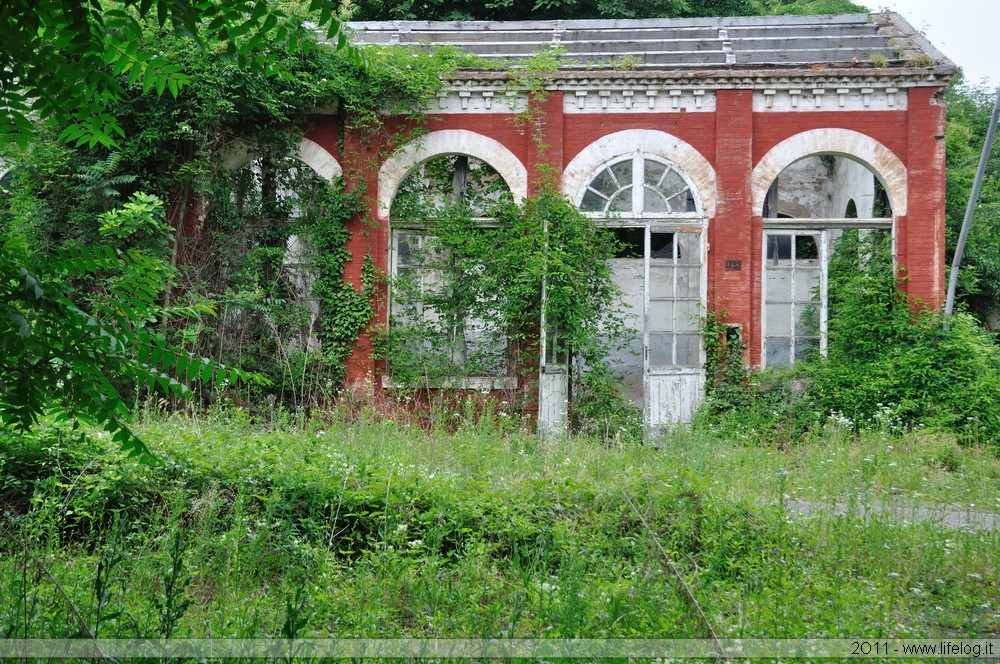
[
  {"x": 365, "y": 527},
  {"x": 64, "y": 61},
  {"x": 969, "y": 109},
  {"x": 221, "y": 291},
  {"x": 481, "y": 262},
  {"x": 527, "y": 10},
  {"x": 431, "y": 518},
  {"x": 888, "y": 368},
  {"x": 85, "y": 285}
]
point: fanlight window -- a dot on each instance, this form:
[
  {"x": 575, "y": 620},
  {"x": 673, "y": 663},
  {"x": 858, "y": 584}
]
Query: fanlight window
[{"x": 638, "y": 186}]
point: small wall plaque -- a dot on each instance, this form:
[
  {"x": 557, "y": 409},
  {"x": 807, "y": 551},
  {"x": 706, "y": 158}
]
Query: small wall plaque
[{"x": 734, "y": 265}]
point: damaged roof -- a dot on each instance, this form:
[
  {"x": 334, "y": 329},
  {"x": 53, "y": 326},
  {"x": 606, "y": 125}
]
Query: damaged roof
[{"x": 879, "y": 41}]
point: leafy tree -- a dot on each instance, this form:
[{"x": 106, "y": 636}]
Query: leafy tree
[
  {"x": 805, "y": 7},
  {"x": 61, "y": 358},
  {"x": 518, "y": 10},
  {"x": 969, "y": 110},
  {"x": 63, "y": 60},
  {"x": 65, "y": 63}
]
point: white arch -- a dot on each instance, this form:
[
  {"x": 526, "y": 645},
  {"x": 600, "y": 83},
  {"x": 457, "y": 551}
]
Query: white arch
[
  {"x": 444, "y": 142},
  {"x": 642, "y": 141},
  {"x": 309, "y": 152},
  {"x": 844, "y": 142}
]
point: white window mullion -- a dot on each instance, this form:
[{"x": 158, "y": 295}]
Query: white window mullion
[
  {"x": 824, "y": 314},
  {"x": 674, "y": 253},
  {"x": 637, "y": 192},
  {"x": 793, "y": 307}
]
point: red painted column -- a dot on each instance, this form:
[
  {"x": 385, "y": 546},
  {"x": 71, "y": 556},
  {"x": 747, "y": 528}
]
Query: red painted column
[
  {"x": 360, "y": 170},
  {"x": 920, "y": 237},
  {"x": 734, "y": 234},
  {"x": 545, "y": 133}
]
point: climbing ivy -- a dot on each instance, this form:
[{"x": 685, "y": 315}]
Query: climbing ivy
[
  {"x": 265, "y": 245},
  {"x": 233, "y": 228},
  {"x": 346, "y": 311},
  {"x": 471, "y": 266}
]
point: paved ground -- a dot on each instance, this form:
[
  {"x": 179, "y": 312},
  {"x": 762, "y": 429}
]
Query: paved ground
[{"x": 947, "y": 517}]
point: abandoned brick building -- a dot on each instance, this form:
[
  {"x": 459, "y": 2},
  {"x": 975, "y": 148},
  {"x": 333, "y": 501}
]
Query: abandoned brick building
[{"x": 726, "y": 153}]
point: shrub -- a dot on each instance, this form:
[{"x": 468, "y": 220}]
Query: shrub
[{"x": 887, "y": 368}]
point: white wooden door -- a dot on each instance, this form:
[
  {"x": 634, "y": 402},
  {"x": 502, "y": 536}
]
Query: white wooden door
[
  {"x": 674, "y": 302},
  {"x": 553, "y": 379}
]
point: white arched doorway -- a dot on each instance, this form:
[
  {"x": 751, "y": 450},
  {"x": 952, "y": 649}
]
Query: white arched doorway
[{"x": 656, "y": 193}]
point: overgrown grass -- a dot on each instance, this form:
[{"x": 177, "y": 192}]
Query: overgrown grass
[
  {"x": 377, "y": 529},
  {"x": 835, "y": 464}
]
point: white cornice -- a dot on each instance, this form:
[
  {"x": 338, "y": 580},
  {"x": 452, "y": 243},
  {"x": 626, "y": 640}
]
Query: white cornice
[{"x": 611, "y": 95}]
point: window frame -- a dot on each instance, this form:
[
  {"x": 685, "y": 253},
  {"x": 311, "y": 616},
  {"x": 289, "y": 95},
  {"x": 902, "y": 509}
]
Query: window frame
[
  {"x": 423, "y": 227},
  {"x": 811, "y": 226},
  {"x": 674, "y": 222}
]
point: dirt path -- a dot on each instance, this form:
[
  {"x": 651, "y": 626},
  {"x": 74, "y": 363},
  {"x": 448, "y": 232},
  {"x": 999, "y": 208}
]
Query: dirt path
[{"x": 947, "y": 517}]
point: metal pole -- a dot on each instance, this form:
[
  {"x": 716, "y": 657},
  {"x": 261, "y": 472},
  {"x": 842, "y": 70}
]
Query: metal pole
[{"x": 970, "y": 208}]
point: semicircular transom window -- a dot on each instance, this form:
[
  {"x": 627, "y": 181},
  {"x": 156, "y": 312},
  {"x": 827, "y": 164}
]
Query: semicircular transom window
[
  {"x": 639, "y": 186},
  {"x": 449, "y": 181}
]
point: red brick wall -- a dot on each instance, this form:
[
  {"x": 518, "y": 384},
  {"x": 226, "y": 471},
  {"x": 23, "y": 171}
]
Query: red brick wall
[
  {"x": 733, "y": 139},
  {"x": 697, "y": 129},
  {"x": 920, "y": 243},
  {"x": 731, "y": 234}
]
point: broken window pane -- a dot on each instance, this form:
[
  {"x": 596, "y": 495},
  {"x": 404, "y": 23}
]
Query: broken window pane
[
  {"x": 631, "y": 242},
  {"x": 779, "y": 248},
  {"x": 661, "y": 245},
  {"x": 689, "y": 248},
  {"x": 806, "y": 247}
]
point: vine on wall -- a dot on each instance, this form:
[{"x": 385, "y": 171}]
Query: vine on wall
[
  {"x": 270, "y": 249},
  {"x": 259, "y": 227},
  {"x": 467, "y": 288}
]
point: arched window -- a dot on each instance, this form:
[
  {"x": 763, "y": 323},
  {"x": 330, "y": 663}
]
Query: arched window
[
  {"x": 638, "y": 186},
  {"x": 825, "y": 216},
  {"x": 444, "y": 329},
  {"x": 852, "y": 210},
  {"x": 654, "y": 212}
]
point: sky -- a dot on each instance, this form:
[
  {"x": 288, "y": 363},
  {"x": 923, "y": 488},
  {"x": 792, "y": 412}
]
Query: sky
[{"x": 967, "y": 31}]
